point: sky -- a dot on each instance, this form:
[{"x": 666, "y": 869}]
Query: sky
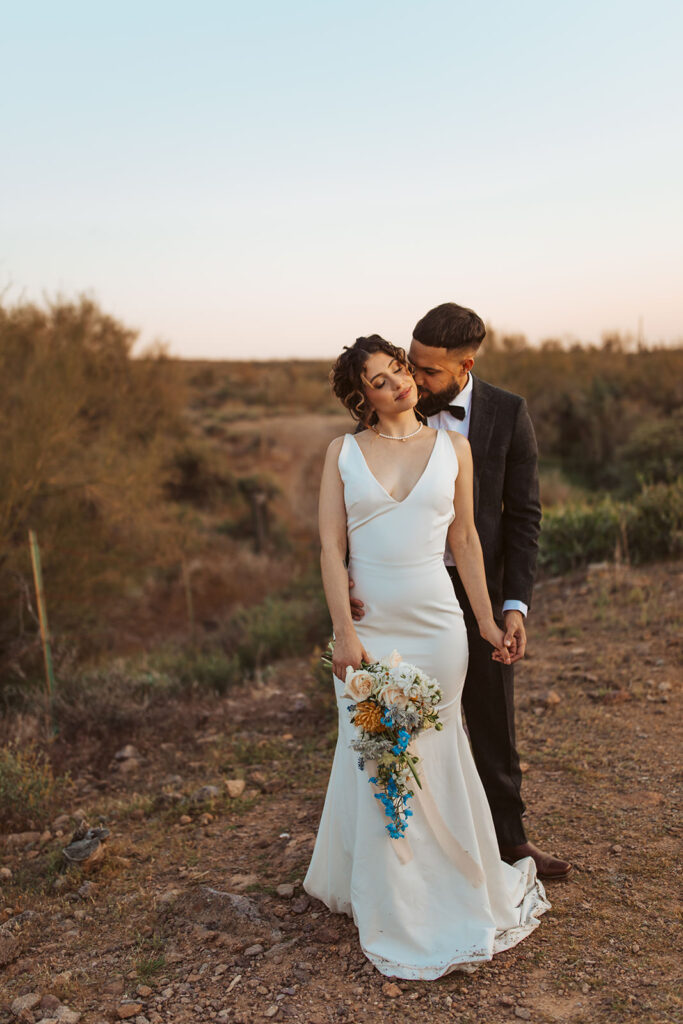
[{"x": 271, "y": 180}]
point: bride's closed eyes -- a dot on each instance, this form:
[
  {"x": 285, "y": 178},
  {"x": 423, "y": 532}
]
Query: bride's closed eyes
[{"x": 396, "y": 369}]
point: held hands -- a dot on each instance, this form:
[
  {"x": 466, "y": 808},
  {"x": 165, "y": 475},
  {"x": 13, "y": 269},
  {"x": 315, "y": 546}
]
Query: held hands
[
  {"x": 515, "y": 632},
  {"x": 500, "y": 641},
  {"x": 348, "y": 650}
]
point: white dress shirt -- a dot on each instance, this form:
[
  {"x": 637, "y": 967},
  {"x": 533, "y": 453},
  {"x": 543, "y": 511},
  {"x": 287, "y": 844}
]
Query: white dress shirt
[{"x": 444, "y": 421}]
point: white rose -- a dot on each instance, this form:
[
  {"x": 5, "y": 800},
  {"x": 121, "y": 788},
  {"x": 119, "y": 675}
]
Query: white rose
[
  {"x": 358, "y": 684},
  {"x": 392, "y": 661},
  {"x": 393, "y": 696}
]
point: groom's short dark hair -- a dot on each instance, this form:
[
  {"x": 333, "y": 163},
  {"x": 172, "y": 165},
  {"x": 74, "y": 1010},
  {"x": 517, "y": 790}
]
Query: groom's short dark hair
[{"x": 450, "y": 326}]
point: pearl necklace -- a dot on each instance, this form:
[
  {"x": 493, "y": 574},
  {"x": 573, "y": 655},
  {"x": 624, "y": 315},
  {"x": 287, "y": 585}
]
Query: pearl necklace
[{"x": 403, "y": 437}]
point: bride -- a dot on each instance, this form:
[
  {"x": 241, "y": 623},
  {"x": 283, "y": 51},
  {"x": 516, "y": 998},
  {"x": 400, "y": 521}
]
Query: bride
[{"x": 391, "y": 497}]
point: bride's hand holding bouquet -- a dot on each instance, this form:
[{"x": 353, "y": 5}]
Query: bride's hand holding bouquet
[{"x": 348, "y": 652}]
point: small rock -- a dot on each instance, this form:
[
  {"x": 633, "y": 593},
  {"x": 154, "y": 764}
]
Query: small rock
[
  {"x": 286, "y": 890},
  {"x": 206, "y": 819},
  {"x": 129, "y": 766},
  {"x": 49, "y": 1002},
  {"x": 301, "y": 904},
  {"x": 27, "y": 1002},
  {"x": 522, "y": 1013},
  {"x": 585, "y": 988},
  {"x": 87, "y": 853},
  {"x": 204, "y": 794},
  {"x": 127, "y": 1010},
  {"x": 185, "y": 819},
  {"x": 125, "y": 753},
  {"x": 172, "y": 780},
  {"x": 242, "y": 882},
  {"x": 524, "y": 767},
  {"x": 552, "y": 697},
  {"x": 235, "y": 787},
  {"x": 635, "y": 948},
  {"x": 144, "y": 991},
  {"x": 5, "y": 874},
  {"x": 616, "y": 848},
  {"x": 272, "y": 1010},
  {"x": 390, "y": 989},
  {"x": 87, "y": 890},
  {"x": 66, "y": 1016},
  {"x": 23, "y": 838},
  {"x": 506, "y": 1001},
  {"x": 254, "y": 950},
  {"x": 168, "y": 897}
]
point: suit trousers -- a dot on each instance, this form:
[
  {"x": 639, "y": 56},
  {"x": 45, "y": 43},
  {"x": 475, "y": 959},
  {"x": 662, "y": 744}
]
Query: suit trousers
[{"x": 488, "y": 704}]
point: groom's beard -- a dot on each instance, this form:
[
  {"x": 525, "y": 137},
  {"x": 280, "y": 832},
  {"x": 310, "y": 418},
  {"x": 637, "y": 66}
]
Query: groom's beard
[{"x": 431, "y": 402}]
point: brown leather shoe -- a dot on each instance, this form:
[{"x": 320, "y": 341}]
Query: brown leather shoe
[{"x": 549, "y": 868}]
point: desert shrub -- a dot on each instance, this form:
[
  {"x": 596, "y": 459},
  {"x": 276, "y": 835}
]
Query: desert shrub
[
  {"x": 575, "y": 535},
  {"x": 84, "y": 433},
  {"x": 645, "y": 529},
  {"x": 653, "y": 453},
  {"x": 191, "y": 477},
  {"x": 28, "y": 788},
  {"x": 279, "y": 627},
  {"x": 208, "y": 667},
  {"x": 654, "y": 522}
]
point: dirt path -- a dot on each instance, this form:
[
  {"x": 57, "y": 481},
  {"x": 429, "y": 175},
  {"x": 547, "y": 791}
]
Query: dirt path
[{"x": 183, "y": 921}]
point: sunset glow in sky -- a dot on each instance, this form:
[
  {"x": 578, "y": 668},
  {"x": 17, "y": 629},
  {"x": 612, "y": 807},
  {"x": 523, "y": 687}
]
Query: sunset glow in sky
[{"x": 272, "y": 180}]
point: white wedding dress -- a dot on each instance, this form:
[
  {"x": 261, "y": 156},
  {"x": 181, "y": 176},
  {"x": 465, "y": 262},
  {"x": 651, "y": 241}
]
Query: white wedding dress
[{"x": 440, "y": 897}]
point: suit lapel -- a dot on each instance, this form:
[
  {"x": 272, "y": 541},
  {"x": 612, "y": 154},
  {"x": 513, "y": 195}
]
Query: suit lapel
[{"x": 482, "y": 419}]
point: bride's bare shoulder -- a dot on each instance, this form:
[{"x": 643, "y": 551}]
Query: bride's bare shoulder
[
  {"x": 459, "y": 442},
  {"x": 335, "y": 446}
]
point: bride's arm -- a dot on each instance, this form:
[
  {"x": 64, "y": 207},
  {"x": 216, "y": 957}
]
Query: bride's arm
[
  {"x": 464, "y": 544},
  {"x": 348, "y": 649}
]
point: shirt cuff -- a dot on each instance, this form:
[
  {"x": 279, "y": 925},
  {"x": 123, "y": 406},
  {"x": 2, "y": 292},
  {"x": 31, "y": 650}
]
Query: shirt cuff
[{"x": 516, "y": 606}]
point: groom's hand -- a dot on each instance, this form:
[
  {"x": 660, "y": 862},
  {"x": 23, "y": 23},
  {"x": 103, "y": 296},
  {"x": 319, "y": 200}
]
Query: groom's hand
[
  {"x": 515, "y": 634},
  {"x": 357, "y": 606}
]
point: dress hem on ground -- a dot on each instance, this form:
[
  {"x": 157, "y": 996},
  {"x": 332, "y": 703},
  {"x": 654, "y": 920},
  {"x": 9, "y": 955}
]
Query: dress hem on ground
[{"x": 534, "y": 904}]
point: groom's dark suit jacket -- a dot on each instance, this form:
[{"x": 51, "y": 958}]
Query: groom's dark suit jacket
[{"x": 507, "y": 508}]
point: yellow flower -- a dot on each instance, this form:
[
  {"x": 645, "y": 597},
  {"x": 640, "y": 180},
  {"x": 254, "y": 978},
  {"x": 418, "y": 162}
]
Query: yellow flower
[{"x": 368, "y": 716}]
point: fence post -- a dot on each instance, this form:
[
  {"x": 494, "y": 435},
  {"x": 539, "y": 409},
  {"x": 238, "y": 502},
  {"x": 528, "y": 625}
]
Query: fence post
[{"x": 44, "y": 628}]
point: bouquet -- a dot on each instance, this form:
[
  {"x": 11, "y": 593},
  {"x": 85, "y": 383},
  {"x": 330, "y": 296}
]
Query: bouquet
[{"x": 393, "y": 701}]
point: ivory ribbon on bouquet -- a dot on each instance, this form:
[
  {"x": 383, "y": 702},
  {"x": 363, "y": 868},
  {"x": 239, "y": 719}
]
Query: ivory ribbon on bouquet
[{"x": 454, "y": 850}]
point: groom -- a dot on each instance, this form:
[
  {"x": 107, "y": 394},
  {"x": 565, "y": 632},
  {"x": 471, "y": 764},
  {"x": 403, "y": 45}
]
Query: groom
[{"x": 507, "y": 515}]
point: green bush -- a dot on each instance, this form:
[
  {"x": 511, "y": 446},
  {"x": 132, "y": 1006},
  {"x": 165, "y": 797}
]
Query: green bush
[
  {"x": 28, "y": 788},
  {"x": 577, "y": 534},
  {"x": 645, "y": 529},
  {"x": 654, "y": 522},
  {"x": 279, "y": 627}
]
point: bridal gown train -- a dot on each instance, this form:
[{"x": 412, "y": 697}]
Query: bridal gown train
[{"x": 441, "y": 896}]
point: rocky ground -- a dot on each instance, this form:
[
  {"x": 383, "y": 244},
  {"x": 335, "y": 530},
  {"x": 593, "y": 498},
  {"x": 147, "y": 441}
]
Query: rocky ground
[{"x": 196, "y": 912}]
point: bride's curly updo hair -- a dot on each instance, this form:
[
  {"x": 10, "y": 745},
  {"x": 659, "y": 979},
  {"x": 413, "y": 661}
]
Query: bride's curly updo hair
[{"x": 347, "y": 374}]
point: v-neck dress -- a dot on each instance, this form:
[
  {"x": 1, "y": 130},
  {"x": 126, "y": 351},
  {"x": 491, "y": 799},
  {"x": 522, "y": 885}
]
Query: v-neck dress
[{"x": 441, "y": 897}]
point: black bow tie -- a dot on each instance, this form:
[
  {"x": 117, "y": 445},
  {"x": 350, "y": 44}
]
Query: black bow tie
[{"x": 457, "y": 411}]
